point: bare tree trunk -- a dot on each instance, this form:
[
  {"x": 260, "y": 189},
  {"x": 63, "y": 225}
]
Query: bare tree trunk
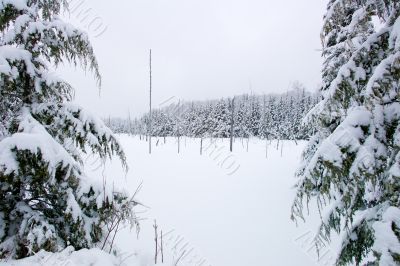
[
  {"x": 162, "y": 248},
  {"x": 130, "y": 123},
  {"x": 150, "y": 107},
  {"x": 266, "y": 148},
  {"x": 247, "y": 144},
  {"x": 156, "y": 240},
  {"x": 282, "y": 149},
  {"x": 201, "y": 146},
  {"x": 179, "y": 144},
  {"x": 232, "y": 122},
  {"x": 165, "y": 140}
]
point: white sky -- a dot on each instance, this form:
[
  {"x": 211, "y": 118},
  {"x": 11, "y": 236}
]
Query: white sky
[{"x": 202, "y": 49}]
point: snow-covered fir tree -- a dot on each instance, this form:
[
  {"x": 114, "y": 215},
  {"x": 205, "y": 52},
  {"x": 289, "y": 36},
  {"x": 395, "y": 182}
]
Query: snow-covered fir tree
[
  {"x": 240, "y": 125},
  {"x": 352, "y": 164},
  {"x": 255, "y": 117},
  {"x": 220, "y": 119},
  {"x": 46, "y": 201}
]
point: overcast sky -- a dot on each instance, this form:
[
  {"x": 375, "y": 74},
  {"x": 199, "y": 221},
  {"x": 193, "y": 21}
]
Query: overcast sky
[{"x": 202, "y": 49}]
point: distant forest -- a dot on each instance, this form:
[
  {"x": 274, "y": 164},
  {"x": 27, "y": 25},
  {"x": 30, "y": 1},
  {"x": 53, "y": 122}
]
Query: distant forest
[{"x": 272, "y": 116}]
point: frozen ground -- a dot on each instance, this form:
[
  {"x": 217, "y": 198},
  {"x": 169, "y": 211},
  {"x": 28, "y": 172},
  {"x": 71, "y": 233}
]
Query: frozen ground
[
  {"x": 212, "y": 213},
  {"x": 216, "y": 209}
]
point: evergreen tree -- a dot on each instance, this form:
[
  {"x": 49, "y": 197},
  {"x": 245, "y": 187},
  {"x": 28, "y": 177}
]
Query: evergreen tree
[
  {"x": 221, "y": 120},
  {"x": 190, "y": 121},
  {"x": 352, "y": 164},
  {"x": 274, "y": 130},
  {"x": 46, "y": 201},
  {"x": 255, "y": 117},
  {"x": 265, "y": 120},
  {"x": 292, "y": 120},
  {"x": 300, "y": 128},
  {"x": 240, "y": 128}
]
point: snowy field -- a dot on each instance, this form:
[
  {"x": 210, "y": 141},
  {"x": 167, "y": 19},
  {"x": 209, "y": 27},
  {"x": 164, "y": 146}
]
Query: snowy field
[{"x": 217, "y": 208}]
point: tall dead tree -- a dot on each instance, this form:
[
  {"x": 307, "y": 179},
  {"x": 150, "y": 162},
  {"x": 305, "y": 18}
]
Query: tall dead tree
[
  {"x": 156, "y": 240},
  {"x": 162, "y": 248},
  {"x": 129, "y": 124},
  {"x": 232, "y": 107},
  {"x": 150, "y": 107}
]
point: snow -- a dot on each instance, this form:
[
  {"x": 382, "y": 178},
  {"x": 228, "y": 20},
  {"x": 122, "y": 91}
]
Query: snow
[
  {"x": 347, "y": 135},
  {"x": 225, "y": 220},
  {"x": 68, "y": 257},
  {"x": 386, "y": 242},
  {"x": 34, "y": 138},
  {"x": 73, "y": 206},
  {"x": 395, "y": 34},
  {"x": 12, "y": 54},
  {"x": 208, "y": 213},
  {"x": 19, "y": 4},
  {"x": 382, "y": 70}
]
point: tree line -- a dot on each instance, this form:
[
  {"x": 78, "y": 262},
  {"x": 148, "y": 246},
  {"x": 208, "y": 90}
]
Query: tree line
[{"x": 272, "y": 116}]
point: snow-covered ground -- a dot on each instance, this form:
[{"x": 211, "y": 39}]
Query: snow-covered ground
[
  {"x": 218, "y": 208},
  {"x": 68, "y": 257}
]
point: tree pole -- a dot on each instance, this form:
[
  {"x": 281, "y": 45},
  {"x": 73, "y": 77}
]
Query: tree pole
[{"x": 150, "y": 107}]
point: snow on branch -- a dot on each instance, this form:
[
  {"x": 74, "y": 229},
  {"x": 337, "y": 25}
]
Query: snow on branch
[
  {"x": 33, "y": 137},
  {"x": 85, "y": 129}
]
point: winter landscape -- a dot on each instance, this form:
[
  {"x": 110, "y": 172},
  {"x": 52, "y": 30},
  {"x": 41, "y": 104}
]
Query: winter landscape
[{"x": 212, "y": 133}]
